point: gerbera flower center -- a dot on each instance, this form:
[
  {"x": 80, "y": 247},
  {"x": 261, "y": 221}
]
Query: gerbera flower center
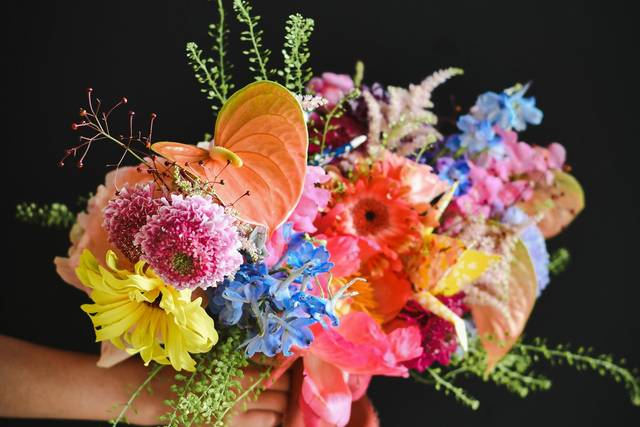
[
  {"x": 370, "y": 216},
  {"x": 182, "y": 263}
]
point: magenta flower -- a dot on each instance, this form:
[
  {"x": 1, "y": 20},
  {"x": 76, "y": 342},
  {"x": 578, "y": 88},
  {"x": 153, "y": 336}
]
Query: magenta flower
[
  {"x": 191, "y": 242},
  {"x": 438, "y": 336},
  {"x": 126, "y": 213}
]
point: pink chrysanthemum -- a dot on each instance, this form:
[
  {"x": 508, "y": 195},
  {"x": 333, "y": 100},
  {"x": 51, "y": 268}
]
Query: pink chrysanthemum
[
  {"x": 126, "y": 213},
  {"x": 191, "y": 242},
  {"x": 438, "y": 335}
]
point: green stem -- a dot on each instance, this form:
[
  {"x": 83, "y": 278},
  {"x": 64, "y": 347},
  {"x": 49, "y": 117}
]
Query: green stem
[
  {"x": 595, "y": 363},
  {"x": 248, "y": 391},
  {"x": 256, "y": 49},
  {"x": 441, "y": 382},
  {"x": 221, "y": 52},
  {"x": 210, "y": 81},
  {"x": 156, "y": 369},
  {"x": 174, "y": 414}
]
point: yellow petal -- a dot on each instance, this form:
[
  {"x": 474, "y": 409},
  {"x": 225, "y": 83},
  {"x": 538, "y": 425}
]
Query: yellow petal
[{"x": 434, "y": 305}]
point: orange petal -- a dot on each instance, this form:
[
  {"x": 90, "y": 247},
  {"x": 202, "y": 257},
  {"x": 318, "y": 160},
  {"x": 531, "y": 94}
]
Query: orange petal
[
  {"x": 391, "y": 292},
  {"x": 185, "y": 156},
  {"x": 263, "y": 123},
  {"x": 497, "y": 331}
]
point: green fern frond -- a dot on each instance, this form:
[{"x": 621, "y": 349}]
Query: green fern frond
[
  {"x": 296, "y": 53},
  {"x": 257, "y": 54}
]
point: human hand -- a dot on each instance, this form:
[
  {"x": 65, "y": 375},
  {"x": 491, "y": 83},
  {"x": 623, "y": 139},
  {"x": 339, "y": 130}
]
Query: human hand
[
  {"x": 267, "y": 410},
  {"x": 41, "y": 382}
]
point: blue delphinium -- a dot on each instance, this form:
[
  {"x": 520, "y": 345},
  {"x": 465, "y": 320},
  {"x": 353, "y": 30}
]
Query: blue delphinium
[
  {"x": 452, "y": 170},
  {"x": 302, "y": 254},
  {"x": 534, "y": 240},
  {"x": 508, "y": 109},
  {"x": 477, "y": 136},
  {"x": 274, "y": 306}
]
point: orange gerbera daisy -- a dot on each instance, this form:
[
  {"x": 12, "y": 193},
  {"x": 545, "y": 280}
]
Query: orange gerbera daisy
[{"x": 374, "y": 210}]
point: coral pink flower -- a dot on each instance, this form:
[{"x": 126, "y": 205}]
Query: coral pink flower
[
  {"x": 422, "y": 183},
  {"x": 344, "y": 254},
  {"x": 191, "y": 242},
  {"x": 338, "y": 366},
  {"x": 333, "y": 87}
]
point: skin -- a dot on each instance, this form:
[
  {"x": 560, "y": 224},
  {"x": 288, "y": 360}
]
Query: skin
[{"x": 42, "y": 382}]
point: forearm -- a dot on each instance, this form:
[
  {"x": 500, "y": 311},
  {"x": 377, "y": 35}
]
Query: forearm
[{"x": 40, "y": 382}]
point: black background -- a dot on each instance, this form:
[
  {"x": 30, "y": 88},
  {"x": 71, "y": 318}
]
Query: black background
[{"x": 578, "y": 54}]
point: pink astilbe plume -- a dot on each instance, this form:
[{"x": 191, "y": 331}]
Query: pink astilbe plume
[{"x": 191, "y": 242}]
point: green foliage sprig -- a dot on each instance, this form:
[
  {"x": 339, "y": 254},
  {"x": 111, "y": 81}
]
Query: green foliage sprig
[
  {"x": 54, "y": 215},
  {"x": 559, "y": 261},
  {"x": 515, "y": 373},
  {"x": 257, "y": 54},
  {"x": 337, "y": 111},
  {"x": 208, "y": 395},
  {"x": 358, "y": 76},
  {"x": 213, "y": 73},
  {"x": 219, "y": 33},
  {"x": 296, "y": 53},
  {"x": 153, "y": 372},
  {"x": 583, "y": 359}
]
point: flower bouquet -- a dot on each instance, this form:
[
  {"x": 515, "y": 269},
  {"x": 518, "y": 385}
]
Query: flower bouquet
[{"x": 327, "y": 227}]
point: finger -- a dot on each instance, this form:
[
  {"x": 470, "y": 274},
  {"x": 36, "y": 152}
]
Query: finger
[
  {"x": 275, "y": 401},
  {"x": 283, "y": 383},
  {"x": 256, "y": 419},
  {"x": 253, "y": 373}
]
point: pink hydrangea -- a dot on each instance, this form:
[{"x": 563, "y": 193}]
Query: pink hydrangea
[
  {"x": 126, "y": 213},
  {"x": 534, "y": 161},
  {"x": 501, "y": 182},
  {"x": 331, "y": 86},
  {"x": 313, "y": 200},
  {"x": 439, "y": 340},
  {"x": 191, "y": 242}
]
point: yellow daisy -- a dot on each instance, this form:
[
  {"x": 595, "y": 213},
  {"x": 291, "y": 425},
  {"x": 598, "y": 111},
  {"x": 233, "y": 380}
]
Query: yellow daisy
[{"x": 139, "y": 313}]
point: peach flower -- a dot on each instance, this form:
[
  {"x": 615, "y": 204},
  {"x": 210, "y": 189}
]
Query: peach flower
[{"x": 88, "y": 233}]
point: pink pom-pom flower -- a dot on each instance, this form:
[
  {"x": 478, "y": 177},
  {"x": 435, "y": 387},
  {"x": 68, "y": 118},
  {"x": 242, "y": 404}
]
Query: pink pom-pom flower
[
  {"x": 191, "y": 242},
  {"x": 126, "y": 213}
]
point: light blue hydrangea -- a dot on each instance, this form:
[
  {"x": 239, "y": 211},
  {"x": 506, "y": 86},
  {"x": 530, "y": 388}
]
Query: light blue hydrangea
[{"x": 533, "y": 239}]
